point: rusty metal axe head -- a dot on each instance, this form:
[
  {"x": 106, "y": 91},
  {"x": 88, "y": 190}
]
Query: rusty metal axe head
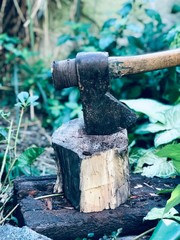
[{"x": 103, "y": 114}]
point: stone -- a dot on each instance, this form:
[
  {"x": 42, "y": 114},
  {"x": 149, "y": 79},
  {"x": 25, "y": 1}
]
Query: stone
[{"x": 8, "y": 232}]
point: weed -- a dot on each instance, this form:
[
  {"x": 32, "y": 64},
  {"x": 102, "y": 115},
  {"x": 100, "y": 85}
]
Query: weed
[{"x": 13, "y": 164}]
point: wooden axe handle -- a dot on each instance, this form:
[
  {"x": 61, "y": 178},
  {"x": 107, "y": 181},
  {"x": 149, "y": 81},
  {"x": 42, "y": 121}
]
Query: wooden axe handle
[{"x": 121, "y": 66}]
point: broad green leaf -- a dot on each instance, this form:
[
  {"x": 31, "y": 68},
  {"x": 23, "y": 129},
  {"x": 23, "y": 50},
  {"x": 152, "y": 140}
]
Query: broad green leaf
[
  {"x": 153, "y": 109},
  {"x": 165, "y": 191},
  {"x": 174, "y": 199},
  {"x": 170, "y": 151},
  {"x": 158, "y": 213},
  {"x": 150, "y": 127},
  {"x": 173, "y": 117},
  {"x": 150, "y": 165},
  {"x": 166, "y": 229},
  {"x": 30, "y": 155},
  {"x": 166, "y": 137}
]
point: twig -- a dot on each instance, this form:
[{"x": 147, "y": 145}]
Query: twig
[
  {"x": 2, "y": 14},
  {"x": 144, "y": 233},
  {"x": 19, "y": 10},
  {"x": 9, "y": 214},
  {"x": 34, "y": 11},
  {"x": 48, "y": 196}
]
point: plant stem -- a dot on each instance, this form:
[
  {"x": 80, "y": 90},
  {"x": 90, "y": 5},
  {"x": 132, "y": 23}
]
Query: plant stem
[
  {"x": 15, "y": 145},
  {"x": 144, "y": 233},
  {"x": 9, "y": 214},
  {"x": 6, "y": 152},
  {"x": 17, "y": 132}
]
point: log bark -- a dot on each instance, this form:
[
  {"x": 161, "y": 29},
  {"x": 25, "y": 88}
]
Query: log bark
[
  {"x": 62, "y": 222},
  {"x": 94, "y": 168}
]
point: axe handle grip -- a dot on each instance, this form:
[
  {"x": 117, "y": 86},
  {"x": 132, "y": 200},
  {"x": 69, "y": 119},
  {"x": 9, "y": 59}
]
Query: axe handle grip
[{"x": 121, "y": 66}]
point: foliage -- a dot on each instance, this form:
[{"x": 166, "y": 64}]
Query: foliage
[
  {"x": 129, "y": 34},
  {"x": 165, "y": 119},
  {"x": 126, "y": 34},
  {"x": 166, "y": 229},
  {"x": 14, "y": 164}
]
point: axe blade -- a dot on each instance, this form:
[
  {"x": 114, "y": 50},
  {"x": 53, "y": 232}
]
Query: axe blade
[{"x": 103, "y": 114}]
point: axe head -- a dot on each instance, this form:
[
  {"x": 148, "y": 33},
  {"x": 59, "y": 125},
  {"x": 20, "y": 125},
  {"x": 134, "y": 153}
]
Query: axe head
[{"x": 103, "y": 114}]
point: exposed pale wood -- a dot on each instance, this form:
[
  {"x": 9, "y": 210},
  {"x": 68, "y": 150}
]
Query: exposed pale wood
[
  {"x": 94, "y": 168},
  {"x": 104, "y": 181},
  {"x": 121, "y": 66}
]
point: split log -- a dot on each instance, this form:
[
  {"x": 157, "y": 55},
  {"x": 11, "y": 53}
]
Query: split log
[{"x": 94, "y": 168}]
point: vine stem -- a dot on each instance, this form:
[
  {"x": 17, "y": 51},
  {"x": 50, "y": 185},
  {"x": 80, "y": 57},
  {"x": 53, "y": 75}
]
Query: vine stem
[{"x": 144, "y": 233}]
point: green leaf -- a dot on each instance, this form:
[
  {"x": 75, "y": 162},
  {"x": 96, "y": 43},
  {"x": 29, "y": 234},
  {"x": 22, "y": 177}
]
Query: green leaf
[
  {"x": 164, "y": 191},
  {"x": 170, "y": 151},
  {"x": 158, "y": 213},
  {"x": 175, "y": 8},
  {"x": 166, "y": 137},
  {"x": 3, "y": 133},
  {"x": 106, "y": 41},
  {"x": 32, "y": 99},
  {"x": 150, "y": 165},
  {"x": 30, "y": 155},
  {"x": 110, "y": 22},
  {"x": 152, "y": 108},
  {"x": 125, "y": 10},
  {"x": 150, "y": 127},
  {"x": 166, "y": 229},
  {"x": 174, "y": 199},
  {"x": 71, "y": 105},
  {"x": 153, "y": 14},
  {"x": 23, "y": 96}
]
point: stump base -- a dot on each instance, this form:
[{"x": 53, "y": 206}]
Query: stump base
[
  {"x": 57, "y": 219},
  {"x": 94, "y": 168}
]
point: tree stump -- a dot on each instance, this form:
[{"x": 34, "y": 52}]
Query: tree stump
[{"x": 94, "y": 168}]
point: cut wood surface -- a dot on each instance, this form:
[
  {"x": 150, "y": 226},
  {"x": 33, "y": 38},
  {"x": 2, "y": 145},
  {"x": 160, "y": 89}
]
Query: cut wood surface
[
  {"x": 94, "y": 168},
  {"x": 56, "y": 218}
]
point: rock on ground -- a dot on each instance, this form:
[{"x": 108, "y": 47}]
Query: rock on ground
[{"x": 8, "y": 232}]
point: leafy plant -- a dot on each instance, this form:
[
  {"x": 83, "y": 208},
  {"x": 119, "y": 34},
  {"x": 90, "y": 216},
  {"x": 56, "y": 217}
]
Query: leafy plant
[
  {"x": 165, "y": 119},
  {"x": 168, "y": 225},
  {"x": 14, "y": 164}
]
